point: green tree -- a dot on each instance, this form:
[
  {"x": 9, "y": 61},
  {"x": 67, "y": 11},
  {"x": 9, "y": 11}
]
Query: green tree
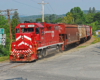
[
  {"x": 89, "y": 18},
  {"x": 52, "y": 18},
  {"x": 47, "y": 19},
  {"x": 15, "y": 16},
  {"x": 14, "y": 23},
  {"x": 79, "y": 21},
  {"x": 93, "y": 10},
  {"x": 68, "y": 19},
  {"x": 77, "y": 14},
  {"x": 97, "y": 17},
  {"x": 39, "y": 20},
  {"x": 90, "y": 11},
  {"x": 75, "y": 10},
  {"x": 58, "y": 20},
  {"x": 4, "y": 24}
]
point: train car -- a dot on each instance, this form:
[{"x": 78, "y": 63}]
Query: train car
[
  {"x": 32, "y": 40},
  {"x": 88, "y": 31},
  {"x": 70, "y": 34},
  {"x": 82, "y": 33}
]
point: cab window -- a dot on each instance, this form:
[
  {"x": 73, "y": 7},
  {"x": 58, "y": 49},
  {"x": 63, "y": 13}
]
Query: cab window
[
  {"x": 36, "y": 30},
  {"x": 23, "y": 30},
  {"x": 30, "y": 29},
  {"x": 17, "y": 30}
]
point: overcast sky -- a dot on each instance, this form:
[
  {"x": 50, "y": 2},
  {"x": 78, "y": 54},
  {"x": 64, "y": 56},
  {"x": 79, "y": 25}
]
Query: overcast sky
[{"x": 30, "y": 7}]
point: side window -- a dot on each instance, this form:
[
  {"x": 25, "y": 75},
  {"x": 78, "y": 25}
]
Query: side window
[
  {"x": 17, "y": 30},
  {"x": 42, "y": 31},
  {"x": 49, "y": 28},
  {"x": 36, "y": 30},
  {"x": 30, "y": 29}
]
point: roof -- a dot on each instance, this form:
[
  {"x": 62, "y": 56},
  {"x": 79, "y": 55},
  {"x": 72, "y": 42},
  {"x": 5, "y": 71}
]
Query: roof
[
  {"x": 39, "y": 25},
  {"x": 25, "y": 25}
]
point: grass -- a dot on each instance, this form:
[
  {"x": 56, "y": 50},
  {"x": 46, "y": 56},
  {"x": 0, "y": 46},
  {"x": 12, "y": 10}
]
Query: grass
[
  {"x": 81, "y": 46},
  {"x": 97, "y": 39},
  {"x": 3, "y": 58}
]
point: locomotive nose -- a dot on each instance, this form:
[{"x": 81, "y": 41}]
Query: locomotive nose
[{"x": 24, "y": 41}]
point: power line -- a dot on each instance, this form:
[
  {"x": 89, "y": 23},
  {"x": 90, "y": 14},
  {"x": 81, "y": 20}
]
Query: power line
[
  {"x": 48, "y": 8},
  {"x": 51, "y": 8},
  {"x": 25, "y": 4},
  {"x": 34, "y": 1}
]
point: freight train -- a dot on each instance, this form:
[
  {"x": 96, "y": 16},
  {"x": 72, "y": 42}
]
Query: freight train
[{"x": 37, "y": 40}]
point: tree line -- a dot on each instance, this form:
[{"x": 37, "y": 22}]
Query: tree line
[{"x": 76, "y": 16}]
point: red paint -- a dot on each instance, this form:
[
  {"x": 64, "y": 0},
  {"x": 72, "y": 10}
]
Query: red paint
[{"x": 30, "y": 37}]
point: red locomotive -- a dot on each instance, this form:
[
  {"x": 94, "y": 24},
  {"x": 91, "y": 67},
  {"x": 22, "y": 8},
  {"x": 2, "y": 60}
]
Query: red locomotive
[{"x": 35, "y": 40}]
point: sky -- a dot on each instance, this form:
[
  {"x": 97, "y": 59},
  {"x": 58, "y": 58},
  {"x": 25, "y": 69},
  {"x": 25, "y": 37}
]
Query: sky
[{"x": 31, "y": 7}]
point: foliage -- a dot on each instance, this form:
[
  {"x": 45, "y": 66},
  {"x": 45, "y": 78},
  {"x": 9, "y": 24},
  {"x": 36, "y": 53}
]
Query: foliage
[
  {"x": 78, "y": 15},
  {"x": 39, "y": 20},
  {"x": 97, "y": 39},
  {"x": 89, "y": 18},
  {"x": 93, "y": 10},
  {"x": 15, "y": 16},
  {"x": 4, "y": 24},
  {"x": 81, "y": 46},
  {"x": 4, "y": 58},
  {"x": 97, "y": 17},
  {"x": 90, "y": 11},
  {"x": 58, "y": 20},
  {"x": 68, "y": 18},
  {"x": 14, "y": 23},
  {"x": 78, "y": 21},
  {"x": 52, "y": 18},
  {"x": 47, "y": 19}
]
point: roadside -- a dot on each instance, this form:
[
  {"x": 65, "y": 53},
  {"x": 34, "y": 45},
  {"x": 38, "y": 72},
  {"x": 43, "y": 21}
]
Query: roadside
[
  {"x": 87, "y": 43},
  {"x": 4, "y": 58}
]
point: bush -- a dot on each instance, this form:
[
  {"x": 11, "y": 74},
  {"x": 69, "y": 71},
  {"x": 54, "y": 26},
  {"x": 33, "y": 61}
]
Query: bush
[
  {"x": 3, "y": 51},
  {"x": 97, "y": 39}
]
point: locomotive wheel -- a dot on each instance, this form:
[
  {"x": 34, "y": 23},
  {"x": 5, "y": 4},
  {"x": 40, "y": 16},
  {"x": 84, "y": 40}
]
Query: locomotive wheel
[
  {"x": 60, "y": 48},
  {"x": 57, "y": 49},
  {"x": 44, "y": 54}
]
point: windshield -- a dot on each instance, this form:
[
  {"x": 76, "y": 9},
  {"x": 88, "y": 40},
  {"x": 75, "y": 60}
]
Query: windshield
[
  {"x": 36, "y": 30},
  {"x": 24, "y": 30},
  {"x": 30, "y": 29}
]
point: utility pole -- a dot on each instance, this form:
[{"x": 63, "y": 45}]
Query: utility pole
[
  {"x": 8, "y": 14},
  {"x": 43, "y": 9}
]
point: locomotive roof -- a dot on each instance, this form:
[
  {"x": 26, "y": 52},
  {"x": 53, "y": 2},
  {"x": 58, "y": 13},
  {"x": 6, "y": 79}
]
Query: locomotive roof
[{"x": 26, "y": 25}]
